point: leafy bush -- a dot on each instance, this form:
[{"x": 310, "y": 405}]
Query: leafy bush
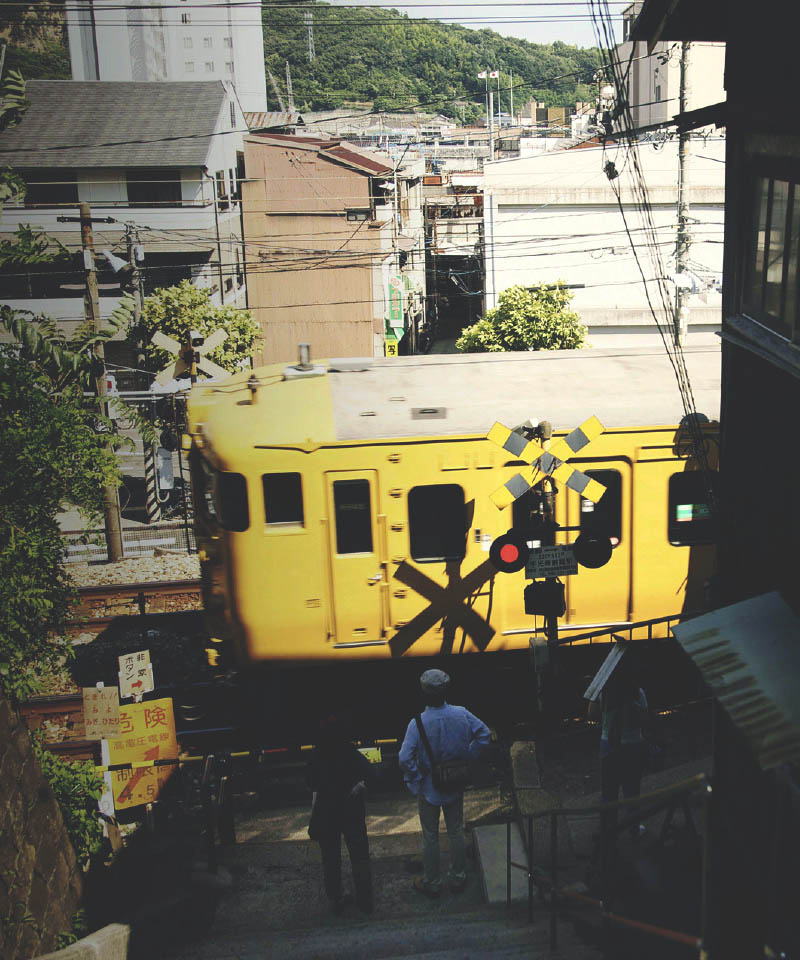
[
  {"x": 77, "y": 788},
  {"x": 526, "y": 318}
]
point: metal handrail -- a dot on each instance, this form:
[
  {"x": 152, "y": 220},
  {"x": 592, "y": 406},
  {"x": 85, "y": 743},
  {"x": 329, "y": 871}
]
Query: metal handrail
[{"x": 651, "y": 803}]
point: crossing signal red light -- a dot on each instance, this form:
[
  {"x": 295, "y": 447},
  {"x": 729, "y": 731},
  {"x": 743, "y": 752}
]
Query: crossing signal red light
[{"x": 509, "y": 552}]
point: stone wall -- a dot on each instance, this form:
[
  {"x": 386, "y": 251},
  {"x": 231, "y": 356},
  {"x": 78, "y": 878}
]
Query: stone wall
[{"x": 40, "y": 880}]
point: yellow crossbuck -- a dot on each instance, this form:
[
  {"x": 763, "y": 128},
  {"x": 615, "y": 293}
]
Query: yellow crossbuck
[{"x": 550, "y": 463}]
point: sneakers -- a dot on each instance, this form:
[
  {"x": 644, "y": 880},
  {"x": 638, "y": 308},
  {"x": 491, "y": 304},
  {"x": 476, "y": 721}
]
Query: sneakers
[{"x": 421, "y": 887}]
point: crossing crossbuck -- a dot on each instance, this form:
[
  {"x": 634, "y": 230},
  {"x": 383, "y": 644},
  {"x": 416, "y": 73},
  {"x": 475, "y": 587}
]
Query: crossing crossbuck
[
  {"x": 198, "y": 345},
  {"x": 550, "y": 463}
]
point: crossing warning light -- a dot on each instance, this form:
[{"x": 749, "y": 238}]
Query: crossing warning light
[
  {"x": 592, "y": 551},
  {"x": 509, "y": 552}
]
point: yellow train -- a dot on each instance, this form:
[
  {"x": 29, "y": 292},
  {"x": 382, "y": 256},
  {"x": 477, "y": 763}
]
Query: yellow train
[{"x": 343, "y": 508}]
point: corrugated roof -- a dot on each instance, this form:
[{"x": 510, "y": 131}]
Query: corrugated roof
[
  {"x": 749, "y": 655},
  {"x": 262, "y": 120},
  {"x": 361, "y": 160},
  {"x": 114, "y": 124}
]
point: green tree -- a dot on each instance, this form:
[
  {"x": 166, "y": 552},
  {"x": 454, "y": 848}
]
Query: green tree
[
  {"x": 535, "y": 318},
  {"x": 175, "y": 311}
]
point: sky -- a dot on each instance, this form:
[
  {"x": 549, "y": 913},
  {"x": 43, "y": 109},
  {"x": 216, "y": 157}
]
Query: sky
[{"x": 540, "y": 22}]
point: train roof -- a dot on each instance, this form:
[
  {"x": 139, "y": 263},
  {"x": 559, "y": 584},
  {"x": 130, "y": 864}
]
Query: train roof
[{"x": 367, "y": 399}]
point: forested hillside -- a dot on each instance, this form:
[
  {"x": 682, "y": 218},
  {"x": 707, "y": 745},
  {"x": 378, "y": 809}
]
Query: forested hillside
[
  {"x": 370, "y": 55},
  {"x": 399, "y": 63}
]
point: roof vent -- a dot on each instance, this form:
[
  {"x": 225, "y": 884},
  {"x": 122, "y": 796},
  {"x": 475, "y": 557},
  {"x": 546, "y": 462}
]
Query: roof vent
[{"x": 304, "y": 367}]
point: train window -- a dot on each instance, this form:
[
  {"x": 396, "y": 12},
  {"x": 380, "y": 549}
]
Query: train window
[
  {"x": 604, "y": 519},
  {"x": 690, "y": 521},
  {"x": 283, "y": 498},
  {"x": 223, "y": 496},
  {"x": 351, "y": 504},
  {"x": 232, "y": 507},
  {"x": 437, "y": 522}
]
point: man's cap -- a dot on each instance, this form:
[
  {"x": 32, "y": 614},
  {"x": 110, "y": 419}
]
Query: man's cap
[{"x": 434, "y": 681}]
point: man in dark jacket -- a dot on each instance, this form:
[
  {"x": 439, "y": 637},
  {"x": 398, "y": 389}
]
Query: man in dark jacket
[
  {"x": 454, "y": 734},
  {"x": 338, "y": 774}
]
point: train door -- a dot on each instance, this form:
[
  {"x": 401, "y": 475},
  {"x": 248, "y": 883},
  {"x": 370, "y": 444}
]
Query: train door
[
  {"x": 600, "y": 596},
  {"x": 358, "y": 579}
]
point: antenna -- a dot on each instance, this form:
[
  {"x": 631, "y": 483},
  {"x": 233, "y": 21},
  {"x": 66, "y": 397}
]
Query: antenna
[
  {"x": 275, "y": 87},
  {"x": 289, "y": 95},
  {"x": 308, "y": 16}
]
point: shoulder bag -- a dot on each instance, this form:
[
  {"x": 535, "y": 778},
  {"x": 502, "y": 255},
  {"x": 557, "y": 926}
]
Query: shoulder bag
[{"x": 449, "y": 776}]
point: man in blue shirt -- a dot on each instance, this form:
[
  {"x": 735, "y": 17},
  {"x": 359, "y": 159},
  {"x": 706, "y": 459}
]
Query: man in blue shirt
[{"x": 454, "y": 734}]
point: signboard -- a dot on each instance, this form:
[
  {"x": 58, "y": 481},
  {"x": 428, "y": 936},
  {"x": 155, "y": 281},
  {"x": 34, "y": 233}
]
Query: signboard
[
  {"x": 555, "y": 561},
  {"x": 373, "y": 754},
  {"x": 135, "y": 674},
  {"x": 146, "y": 733},
  {"x": 390, "y": 345},
  {"x": 396, "y": 301},
  {"x": 101, "y": 712}
]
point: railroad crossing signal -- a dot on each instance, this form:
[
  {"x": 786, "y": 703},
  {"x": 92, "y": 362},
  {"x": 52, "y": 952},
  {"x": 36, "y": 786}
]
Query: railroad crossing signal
[
  {"x": 192, "y": 352},
  {"x": 549, "y": 463}
]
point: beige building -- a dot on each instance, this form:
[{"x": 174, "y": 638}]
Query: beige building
[{"x": 332, "y": 260}]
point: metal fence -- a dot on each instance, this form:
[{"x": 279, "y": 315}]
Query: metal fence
[{"x": 177, "y": 536}]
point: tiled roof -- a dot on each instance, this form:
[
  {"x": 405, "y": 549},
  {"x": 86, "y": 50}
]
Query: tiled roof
[{"x": 114, "y": 124}]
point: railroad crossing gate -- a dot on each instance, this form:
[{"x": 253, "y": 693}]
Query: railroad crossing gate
[{"x": 546, "y": 463}]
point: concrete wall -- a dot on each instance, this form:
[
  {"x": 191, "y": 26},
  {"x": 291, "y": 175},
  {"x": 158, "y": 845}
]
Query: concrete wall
[{"x": 40, "y": 880}]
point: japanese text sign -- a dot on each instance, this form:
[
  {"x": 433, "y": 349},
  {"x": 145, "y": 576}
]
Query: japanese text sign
[
  {"x": 101, "y": 712},
  {"x": 146, "y": 734},
  {"x": 135, "y": 674},
  {"x": 552, "y": 561}
]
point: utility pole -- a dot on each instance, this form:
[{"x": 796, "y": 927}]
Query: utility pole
[
  {"x": 113, "y": 522},
  {"x": 134, "y": 283},
  {"x": 511, "y": 96},
  {"x": 491, "y": 125},
  {"x": 681, "y": 316}
]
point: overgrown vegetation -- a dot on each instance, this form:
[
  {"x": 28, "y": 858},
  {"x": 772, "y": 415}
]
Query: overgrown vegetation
[
  {"x": 526, "y": 318},
  {"x": 77, "y": 789}
]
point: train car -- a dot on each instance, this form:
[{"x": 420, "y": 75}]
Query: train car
[{"x": 343, "y": 508}]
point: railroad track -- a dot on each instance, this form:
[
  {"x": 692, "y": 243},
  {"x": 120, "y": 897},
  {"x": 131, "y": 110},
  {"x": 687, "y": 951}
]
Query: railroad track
[{"x": 98, "y": 605}]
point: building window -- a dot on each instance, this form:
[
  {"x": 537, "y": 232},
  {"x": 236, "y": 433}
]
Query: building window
[
  {"x": 186, "y": 18},
  {"x": 690, "y": 521},
  {"x": 222, "y": 192},
  {"x": 658, "y": 93},
  {"x": 229, "y": 66},
  {"x": 209, "y": 66},
  {"x": 227, "y": 41},
  {"x": 233, "y": 115},
  {"x": 437, "y": 523},
  {"x": 50, "y": 186},
  {"x": 154, "y": 186},
  {"x": 208, "y": 42},
  {"x": 187, "y": 43},
  {"x": 353, "y": 516},
  {"x": 283, "y": 499},
  {"x": 770, "y": 292},
  {"x": 239, "y": 271},
  {"x": 189, "y": 66},
  {"x": 359, "y": 214},
  {"x": 604, "y": 519}
]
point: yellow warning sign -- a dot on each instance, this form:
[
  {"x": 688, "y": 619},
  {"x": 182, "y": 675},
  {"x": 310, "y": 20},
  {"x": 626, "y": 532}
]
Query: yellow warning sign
[{"x": 146, "y": 733}]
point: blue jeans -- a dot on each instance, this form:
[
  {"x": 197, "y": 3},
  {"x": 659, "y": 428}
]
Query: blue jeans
[{"x": 454, "y": 821}]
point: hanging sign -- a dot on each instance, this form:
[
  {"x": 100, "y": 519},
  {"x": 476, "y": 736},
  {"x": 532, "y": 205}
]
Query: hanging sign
[
  {"x": 100, "y": 712},
  {"x": 146, "y": 734},
  {"x": 135, "y": 674}
]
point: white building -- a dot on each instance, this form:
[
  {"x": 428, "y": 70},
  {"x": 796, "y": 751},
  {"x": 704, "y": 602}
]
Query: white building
[
  {"x": 653, "y": 80},
  {"x": 170, "y": 174},
  {"x": 555, "y": 217},
  {"x": 144, "y": 41}
]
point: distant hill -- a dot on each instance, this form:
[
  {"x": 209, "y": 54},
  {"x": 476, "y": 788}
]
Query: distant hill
[
  {"x": 399, "y": 63},
  {"x": 371, "y": 55}
]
